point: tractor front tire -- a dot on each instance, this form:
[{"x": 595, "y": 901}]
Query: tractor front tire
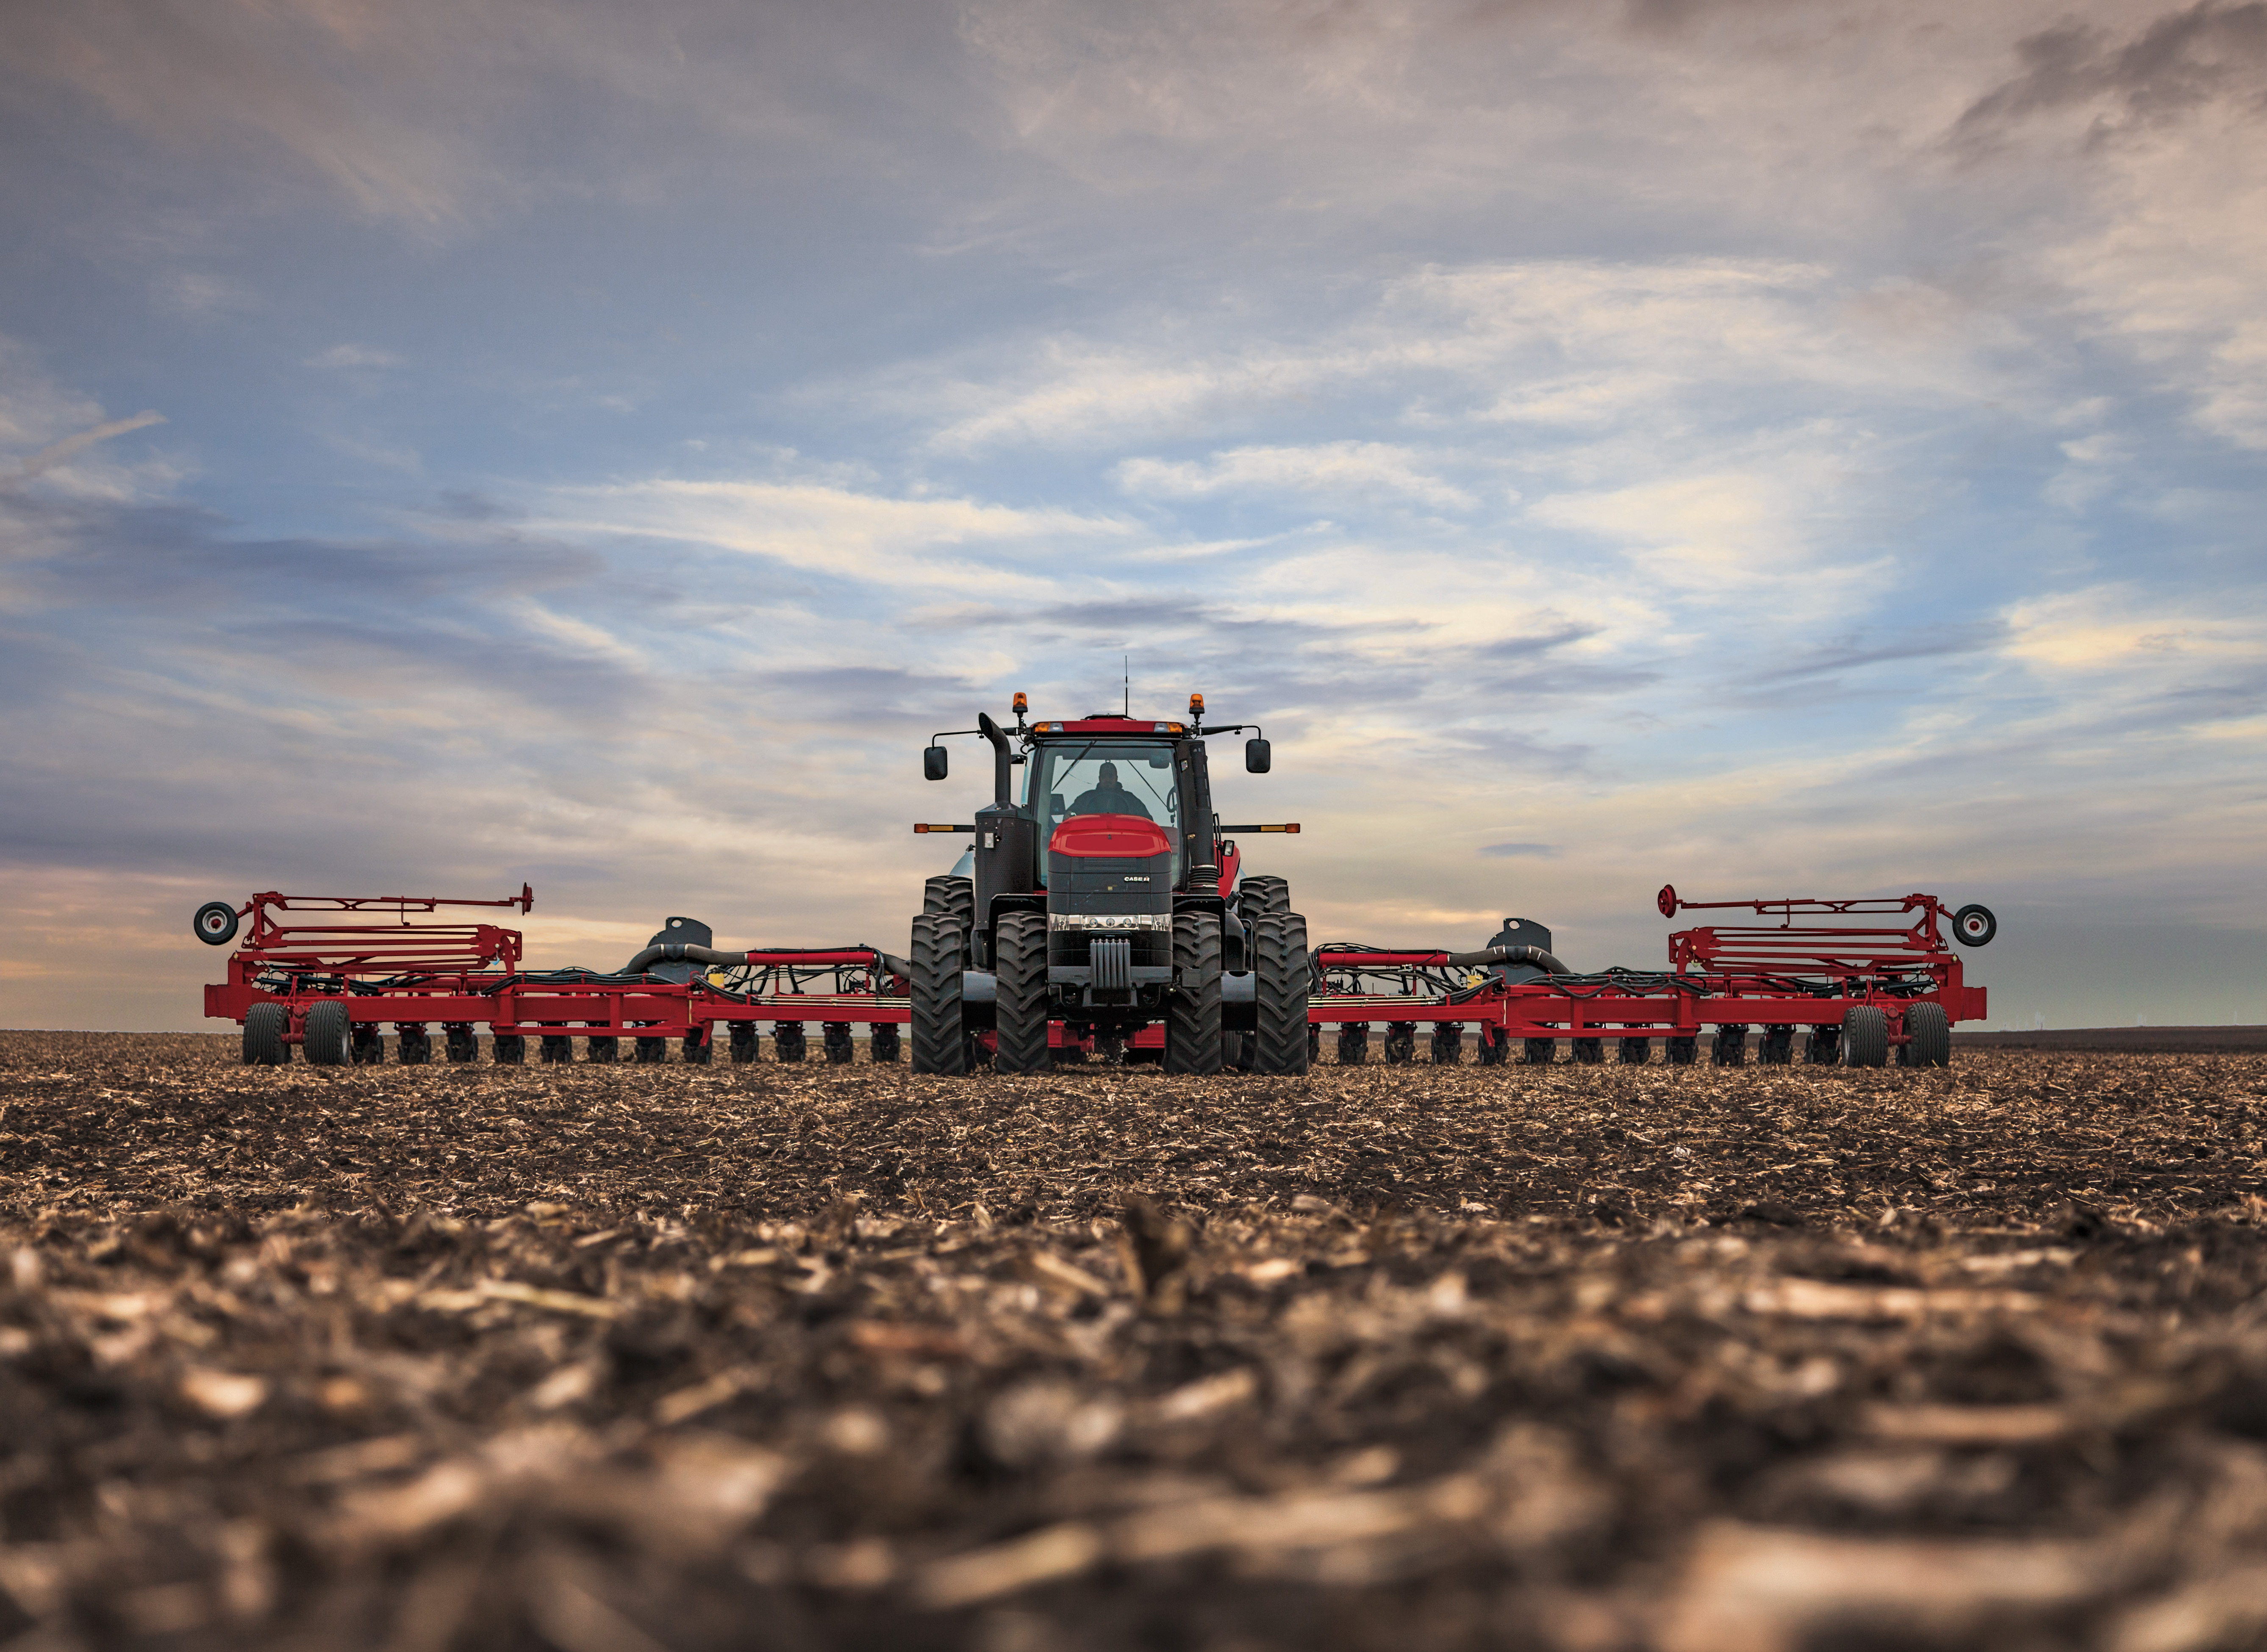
[
  {"x": 1192, "y": 1007},
  {"x": 329, "y": 1034},
  {"x": 264, "y": 1026},
  {"x": 940, "y": 1045},
  {"x": 1866, "y": 1035},
  {"x": 1281, "y": 1046},
  {"x": 1019, "y": 959}
]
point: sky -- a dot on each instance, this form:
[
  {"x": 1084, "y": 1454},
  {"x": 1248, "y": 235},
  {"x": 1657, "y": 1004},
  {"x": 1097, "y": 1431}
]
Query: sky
[{"x": 1776, "y": 449}]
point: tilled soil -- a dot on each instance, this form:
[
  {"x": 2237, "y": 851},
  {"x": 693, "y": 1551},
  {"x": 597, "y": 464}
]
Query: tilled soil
[{"x": 609, "y": 1359}]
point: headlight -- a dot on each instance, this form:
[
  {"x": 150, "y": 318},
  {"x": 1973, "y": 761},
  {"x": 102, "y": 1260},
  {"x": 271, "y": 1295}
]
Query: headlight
[{"x": 1110, "y": 920}]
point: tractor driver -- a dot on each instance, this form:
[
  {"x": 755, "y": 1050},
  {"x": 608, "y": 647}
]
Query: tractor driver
[{"x": 1109, "y": 797}]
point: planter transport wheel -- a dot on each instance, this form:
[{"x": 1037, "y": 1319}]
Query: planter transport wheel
[
  {"x": 329, "y": 1034},
  {"x": 215, "y": 923},
  {"x": 264, "y": 1026},
  {"x": 1974, "y": 926},
  {"x": 1865, "y": 1036},
  {"x": 1928, "y": 1036}
]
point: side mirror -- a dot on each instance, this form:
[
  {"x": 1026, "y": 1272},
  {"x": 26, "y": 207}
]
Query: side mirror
[
  {"x": 933, "y": 762},
  {"x": 1259, "y": 757}
]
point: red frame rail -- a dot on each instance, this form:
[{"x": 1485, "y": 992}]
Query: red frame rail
[{"x": 1808, "y": 969}]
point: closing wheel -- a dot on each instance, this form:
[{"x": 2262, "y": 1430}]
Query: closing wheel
[
  {"x": 1019, "y": 958},
  {"x": 836, "y": 1035},
  {"x": 1400, "y": 1043},
  {"x": 1633, "y": 1051},
  {"x": 883, "y": 1051},
  {"x": 330, "y": 1035},
  {"x": 510, "y": 1049},
  {"x": 1540, "y": 1052},
  {"x": 1928, "y": 1031},
  {"x": 699, "y": 1047},
  {"x": 1448, "y": 1044},
  {"x": 1729, "y": 1046},
  {"x": 264, "y": 1026},
  {"x": 1587, "y": 1052},
  {"x": 745, "y": 1042},
  {"x": 1261, "y": 895},
  {"x": 940, "y": 1043},
  {"x": 1354, "y": 1043},
  {"x": 215, "y": 923},
  {"x": 605, "y": 1051},
  {"x": 1192, "y": 1007},
  {"x": 558, "y": 1047},
  {"x": 1776, "y": 1047},
  {"x": 788, "y": 1044},
  {"x": 1494, "y": 1048},
  {"x": 1974, "y": 926},
  {"x": 365, "y": 1043},
  {"x": 464, "y": 1045},
  {"x": 644, "y": 1052},
  {"x": 1865, "y": 1036},
  {"x": 1822, "y": 1047},
  {"x": 1681, "y": 1052},
  {"x": 1284, "y": 1044},
  {"x": 411, "y": 1038}
]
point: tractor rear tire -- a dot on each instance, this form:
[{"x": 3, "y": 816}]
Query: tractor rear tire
[
  {"x": 1866, "y": 1037},
  {"x": 264, "y": 1026},
  {"x": 1634, "y": 1051},
  {"x": 329, "y": 1034},
  {"x": 1262, "y": 896},
  {"x": 1928, "y": 1031},
  {"x": 883, "y": 1051},
  {"x": 953, "y": 897},
  {"x": 939, "y": 1042},
  {"x": 1192, "y": 1008},
  {"x": 1019, "y": 961},
  {"x": 1354, "y": 1043},
  {"x": 1283, "y": 1047}
]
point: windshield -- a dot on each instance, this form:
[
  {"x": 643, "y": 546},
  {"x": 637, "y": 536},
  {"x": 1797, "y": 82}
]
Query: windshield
[{"x": 1133, "y": 777}]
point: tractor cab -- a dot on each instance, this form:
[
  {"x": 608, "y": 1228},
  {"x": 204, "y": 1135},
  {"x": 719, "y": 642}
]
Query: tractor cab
[{"x": 1100, "y": 885}]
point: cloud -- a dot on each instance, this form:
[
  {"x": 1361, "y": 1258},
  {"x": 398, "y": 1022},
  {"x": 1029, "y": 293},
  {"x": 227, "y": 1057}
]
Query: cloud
[
  {"x": 2175, "y": 65},
  {"x": 1504, "y": 850},
  {"x": 62, "y": 453},
  {"x": 353, "y": 356},
  {"x": 1327, "y": 468}
]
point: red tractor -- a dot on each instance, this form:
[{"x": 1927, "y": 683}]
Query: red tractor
[{"x": 1102, "y": 897}]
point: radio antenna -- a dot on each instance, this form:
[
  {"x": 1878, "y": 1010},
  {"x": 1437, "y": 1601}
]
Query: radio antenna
[{"x": 1126, "y": 662}]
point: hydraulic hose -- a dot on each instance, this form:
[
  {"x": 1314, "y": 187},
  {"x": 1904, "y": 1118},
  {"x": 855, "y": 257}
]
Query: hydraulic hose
[
  {"x": 1487, "y": 955},
  {"x": 686, "y": 952}
]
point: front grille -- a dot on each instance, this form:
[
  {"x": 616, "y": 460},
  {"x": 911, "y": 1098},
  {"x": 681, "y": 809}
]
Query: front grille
[{"x": 1113, "y": 964}]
